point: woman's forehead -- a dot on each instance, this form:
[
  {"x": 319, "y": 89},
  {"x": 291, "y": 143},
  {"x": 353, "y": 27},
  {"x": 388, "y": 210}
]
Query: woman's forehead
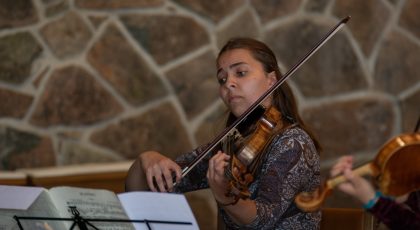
[{"x": 235, "y": 56}]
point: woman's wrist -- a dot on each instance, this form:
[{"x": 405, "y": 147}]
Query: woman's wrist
[
  {"x": 370, "y": 203},
  {"x": 227, "y": 203}
]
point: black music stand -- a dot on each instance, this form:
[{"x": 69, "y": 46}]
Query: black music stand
[{"x": 83, "y": 223}]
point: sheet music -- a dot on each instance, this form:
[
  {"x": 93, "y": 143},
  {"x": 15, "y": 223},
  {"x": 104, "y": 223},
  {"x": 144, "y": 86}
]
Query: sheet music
[
  {"x": 96, "y": 203},
  {"x": 42, "y": 206},
  {"x": 91, "y": 203},
  {"x": 18, "y": 197},
  {"x": 158, "y": 206}
]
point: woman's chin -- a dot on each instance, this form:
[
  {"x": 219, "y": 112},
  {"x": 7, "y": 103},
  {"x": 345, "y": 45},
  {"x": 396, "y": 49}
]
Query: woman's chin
[{"x": 238, "y": 112}]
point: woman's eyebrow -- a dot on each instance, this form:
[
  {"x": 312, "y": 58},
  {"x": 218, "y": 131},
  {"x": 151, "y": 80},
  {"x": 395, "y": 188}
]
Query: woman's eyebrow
[{"x": 231, "y": 66}]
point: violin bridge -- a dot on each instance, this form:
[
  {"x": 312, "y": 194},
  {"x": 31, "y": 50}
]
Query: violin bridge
[
  {"x": 232, "y": 139},
  {"x": 233, "y": 135}
]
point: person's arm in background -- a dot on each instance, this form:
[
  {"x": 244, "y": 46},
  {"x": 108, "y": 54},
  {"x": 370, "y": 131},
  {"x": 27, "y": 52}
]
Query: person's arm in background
[{"x": 392, "y": 212}]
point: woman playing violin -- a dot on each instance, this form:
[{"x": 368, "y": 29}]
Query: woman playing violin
[
  {"x": 399, "y": 213},
  {"x": 246, "y": 69}
]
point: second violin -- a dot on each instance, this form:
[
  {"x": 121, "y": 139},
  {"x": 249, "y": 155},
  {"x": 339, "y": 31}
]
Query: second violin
[{"x": 395, "y": 170}]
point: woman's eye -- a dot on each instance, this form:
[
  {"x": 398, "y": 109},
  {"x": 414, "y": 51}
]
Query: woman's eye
[
  {"x": 241, "y": 73},
  {"x": 222, "y": 80}
]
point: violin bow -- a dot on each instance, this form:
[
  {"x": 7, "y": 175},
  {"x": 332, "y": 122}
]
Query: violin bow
[{"x": 244, "y": 115}]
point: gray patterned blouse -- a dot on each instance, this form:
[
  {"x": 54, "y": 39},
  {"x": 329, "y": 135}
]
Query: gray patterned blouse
[{"x": 291, "y": 166}]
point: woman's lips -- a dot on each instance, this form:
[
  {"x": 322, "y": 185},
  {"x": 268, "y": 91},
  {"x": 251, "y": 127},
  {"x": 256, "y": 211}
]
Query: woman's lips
[{"x": 233, "y": 98}]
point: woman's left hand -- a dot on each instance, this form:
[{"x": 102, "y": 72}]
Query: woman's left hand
[{"x": 216, "y": 177}]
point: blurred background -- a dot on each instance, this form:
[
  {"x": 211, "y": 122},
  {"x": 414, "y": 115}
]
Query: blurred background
[{"x": 101, "y": 81}]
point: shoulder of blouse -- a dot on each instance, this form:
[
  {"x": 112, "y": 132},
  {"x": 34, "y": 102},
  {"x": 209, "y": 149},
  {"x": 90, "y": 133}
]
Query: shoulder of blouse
[{"x": 291, "y": 133}]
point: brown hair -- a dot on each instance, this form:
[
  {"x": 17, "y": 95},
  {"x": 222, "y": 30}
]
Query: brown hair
[{"x": 283, "y": 98}]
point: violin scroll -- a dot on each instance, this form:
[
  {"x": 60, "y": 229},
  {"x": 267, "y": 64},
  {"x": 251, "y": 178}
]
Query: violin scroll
[{"x": 312, "y": 201}]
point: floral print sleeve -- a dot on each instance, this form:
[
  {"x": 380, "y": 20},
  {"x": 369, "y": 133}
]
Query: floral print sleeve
[{"x": 291, "y": 166}]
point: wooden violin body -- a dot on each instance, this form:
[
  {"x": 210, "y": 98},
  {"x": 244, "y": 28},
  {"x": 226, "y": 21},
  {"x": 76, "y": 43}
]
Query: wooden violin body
[
  {"x": 395, "y": 170},
  {"x": 245, "y": 162}
]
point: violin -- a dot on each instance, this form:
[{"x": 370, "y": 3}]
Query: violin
[
  {"x": 246, "y": 160},
  {"x": 395, "y": 171}
]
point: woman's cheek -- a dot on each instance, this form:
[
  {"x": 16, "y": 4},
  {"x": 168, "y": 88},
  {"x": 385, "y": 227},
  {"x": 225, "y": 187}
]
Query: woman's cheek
[{"x": 223, "y": 96}]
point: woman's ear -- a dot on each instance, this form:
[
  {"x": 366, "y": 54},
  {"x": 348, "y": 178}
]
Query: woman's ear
[{"x": 272, "y": 78}]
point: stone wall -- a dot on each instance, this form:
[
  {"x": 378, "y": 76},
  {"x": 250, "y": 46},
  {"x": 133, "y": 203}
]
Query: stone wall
[{"x": 101, "y": 81}]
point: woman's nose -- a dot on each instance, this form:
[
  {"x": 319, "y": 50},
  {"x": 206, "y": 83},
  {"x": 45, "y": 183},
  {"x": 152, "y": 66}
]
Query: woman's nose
[{"x": 230, "y": 81}]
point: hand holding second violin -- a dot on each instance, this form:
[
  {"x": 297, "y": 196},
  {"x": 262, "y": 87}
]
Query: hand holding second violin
[
  {"x": 355, "y": 185},
  {"x": 159, "y": 171}
]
